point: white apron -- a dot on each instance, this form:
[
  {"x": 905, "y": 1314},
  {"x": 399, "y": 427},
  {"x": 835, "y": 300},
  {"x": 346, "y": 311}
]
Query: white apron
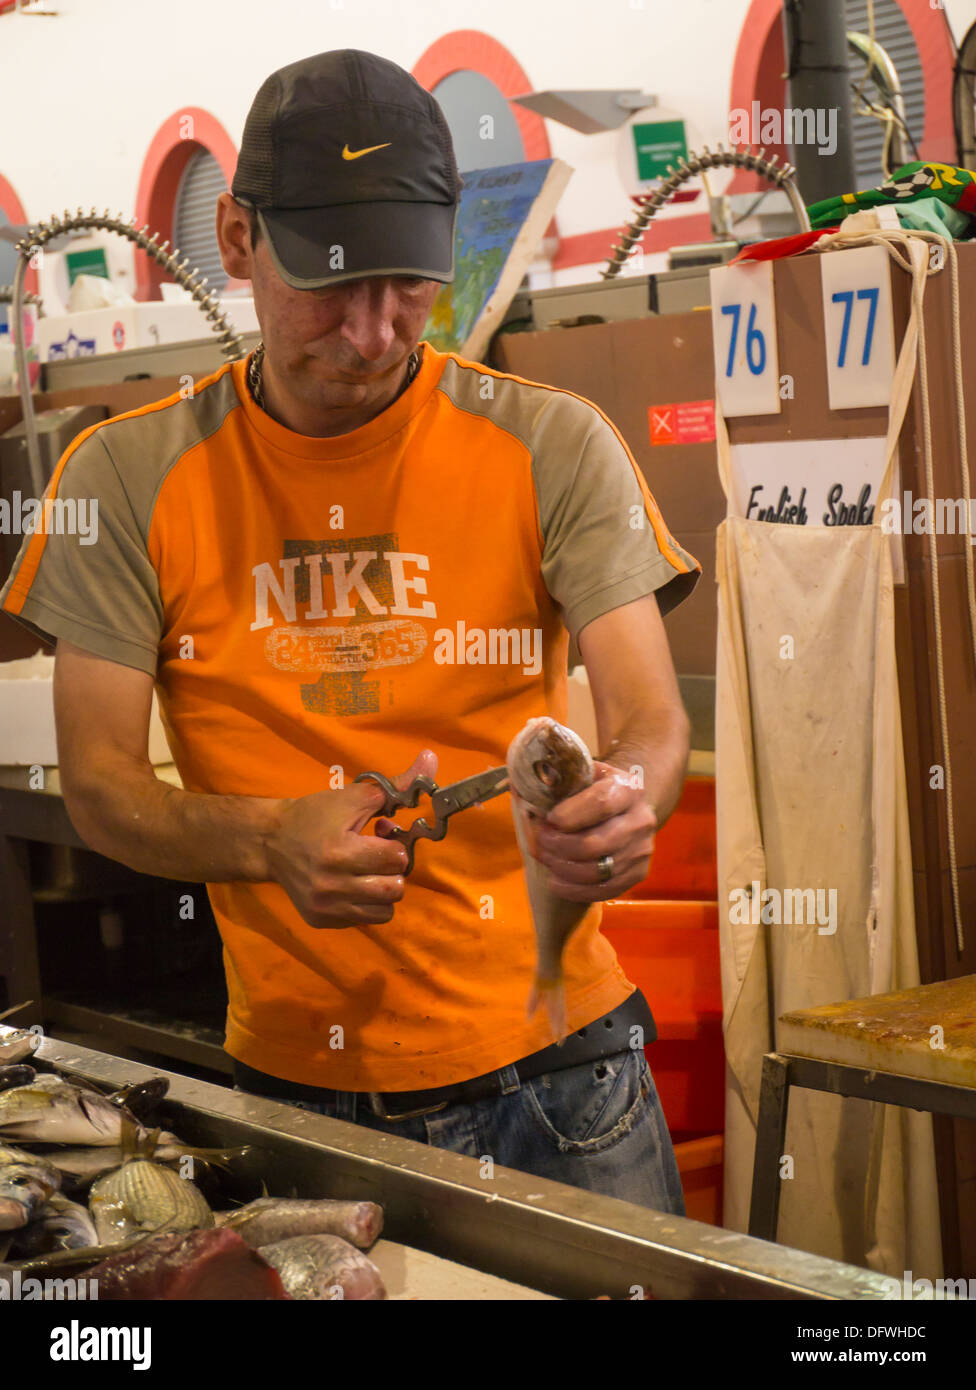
[{"x": 811, "y": 794}]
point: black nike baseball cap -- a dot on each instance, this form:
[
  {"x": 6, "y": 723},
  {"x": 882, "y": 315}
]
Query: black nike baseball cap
[{"x": 350, "y": 166}]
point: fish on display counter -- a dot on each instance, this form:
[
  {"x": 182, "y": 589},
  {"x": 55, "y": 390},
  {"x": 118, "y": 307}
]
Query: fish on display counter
[
  {"x": 26, "y": 1183},
  {"x": 14, "y": 1047},
  {"x": 140, "y": 1098},
  {"x": 272, "y": 1219},
  {"x": 16, "y": 1074},
  {"x": 324, "y": 1267},
  {"x": 148, "y": 1232},
  {"x": 59, "y": 1225},
  {"x": 547, "y": 763},
  {"x": 211, "y": 1265},
  {"x": 80, "y": 1166},
  {"x": 50, "y": 1110},
  {"x": 148, "y": 1197}
]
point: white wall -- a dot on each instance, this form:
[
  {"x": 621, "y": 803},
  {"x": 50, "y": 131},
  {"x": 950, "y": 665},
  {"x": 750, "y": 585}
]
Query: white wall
[{"x": 81, "y": 95}]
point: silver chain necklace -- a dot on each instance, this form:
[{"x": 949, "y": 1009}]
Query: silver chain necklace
[{"x": 255, "y": 382}]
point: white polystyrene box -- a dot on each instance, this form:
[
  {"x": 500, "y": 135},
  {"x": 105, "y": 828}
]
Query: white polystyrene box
[
  {"x": 27, "y": 734},
  {"x": 97, "y": 332}
]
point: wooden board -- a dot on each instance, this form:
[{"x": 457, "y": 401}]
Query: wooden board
[
  {"x": 893, "y": 1032},
  {"x": 413, "y": 1274}
]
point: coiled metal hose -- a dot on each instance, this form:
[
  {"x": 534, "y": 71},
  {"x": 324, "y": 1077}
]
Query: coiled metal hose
[
  {"x": 38, "y": 235},
  {"x": 779, "y": 174}
]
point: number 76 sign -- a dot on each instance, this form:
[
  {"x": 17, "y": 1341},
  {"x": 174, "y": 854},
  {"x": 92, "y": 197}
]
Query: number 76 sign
[{"x": 744, "y": 339}]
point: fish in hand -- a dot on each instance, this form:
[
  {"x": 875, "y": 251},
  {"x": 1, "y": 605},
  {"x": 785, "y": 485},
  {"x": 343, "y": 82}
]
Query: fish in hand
[
  {"x": 59, "y": 1225},
  {"x": 199, "y": 1265},
  {"x": 26, "y": 1183},
  {"x": 147, "y": 1197},
  {"x": 272, "y": 1219},
  {"x": 546, "y": 763},
  {"x": 324, "y": 1267}
]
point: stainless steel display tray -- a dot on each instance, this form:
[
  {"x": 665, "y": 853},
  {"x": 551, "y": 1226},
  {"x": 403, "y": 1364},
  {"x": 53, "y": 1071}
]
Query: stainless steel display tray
[{"x": 546, "y": 1235}]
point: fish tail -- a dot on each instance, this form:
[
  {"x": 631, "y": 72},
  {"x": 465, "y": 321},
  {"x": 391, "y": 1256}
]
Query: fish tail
[{"x": 548, "y": 990}]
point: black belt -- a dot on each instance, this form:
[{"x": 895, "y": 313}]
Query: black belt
[{"x": 603, "y": 1038}]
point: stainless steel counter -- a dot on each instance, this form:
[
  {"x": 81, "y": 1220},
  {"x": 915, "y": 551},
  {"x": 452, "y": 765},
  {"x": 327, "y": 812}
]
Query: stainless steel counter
[{"x": 546, "y": 1235}]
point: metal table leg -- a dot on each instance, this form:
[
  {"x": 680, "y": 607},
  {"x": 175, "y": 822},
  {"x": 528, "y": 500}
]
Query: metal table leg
[{"x": 774, "y": 1098}]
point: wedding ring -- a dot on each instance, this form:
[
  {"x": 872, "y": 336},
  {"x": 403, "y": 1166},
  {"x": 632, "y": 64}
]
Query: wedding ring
[{"x": 605, "y": 865}]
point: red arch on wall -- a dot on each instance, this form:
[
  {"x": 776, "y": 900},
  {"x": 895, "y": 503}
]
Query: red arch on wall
[
  {"x": 17, "y": 215},
  {"x": 175, "y": 143},
  {"x": 471, "y": 50},
  {"x": 760, "y": 62},
  {"x": 477, "y": 52}
]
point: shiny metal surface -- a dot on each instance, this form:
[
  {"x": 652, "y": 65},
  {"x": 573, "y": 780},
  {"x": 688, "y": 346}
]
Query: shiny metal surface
[{"x": 555, "y": 1238}]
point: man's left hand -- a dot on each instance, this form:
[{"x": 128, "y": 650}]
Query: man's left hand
[{"x": 611, "y": 817}]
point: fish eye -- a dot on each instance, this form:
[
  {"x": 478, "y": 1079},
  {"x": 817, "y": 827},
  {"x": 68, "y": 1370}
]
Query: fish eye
[{"x": 546, "y": 773}]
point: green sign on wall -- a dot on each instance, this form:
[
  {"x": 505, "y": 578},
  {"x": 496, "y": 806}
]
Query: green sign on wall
[
  {"x": 91, "y": 262},
  {"x": 658, "y": 144}
]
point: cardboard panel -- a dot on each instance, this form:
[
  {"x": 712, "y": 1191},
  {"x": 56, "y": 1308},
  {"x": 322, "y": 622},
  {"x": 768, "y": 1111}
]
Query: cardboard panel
[{"x": 626, "y": 368}]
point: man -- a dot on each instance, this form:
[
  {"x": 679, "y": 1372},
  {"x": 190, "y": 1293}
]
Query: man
[{"x": 309, "y": 557}]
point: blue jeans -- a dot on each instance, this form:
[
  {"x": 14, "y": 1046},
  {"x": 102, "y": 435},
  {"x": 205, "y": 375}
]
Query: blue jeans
[{"x": 598, "y": 1125}]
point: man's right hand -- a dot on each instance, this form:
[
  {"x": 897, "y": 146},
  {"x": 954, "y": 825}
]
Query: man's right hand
[{"x": 335, "y": 875}]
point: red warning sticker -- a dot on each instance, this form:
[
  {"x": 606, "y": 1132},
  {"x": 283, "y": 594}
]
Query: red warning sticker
[{"x": 683, "y": 422}]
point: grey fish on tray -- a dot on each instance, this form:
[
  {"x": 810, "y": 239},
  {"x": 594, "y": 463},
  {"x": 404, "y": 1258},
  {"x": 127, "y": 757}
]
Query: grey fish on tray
[
  {"x": 59, "y": 1225},
  {"x": 49, "y": 1110},
  {"x": 26, "y": 1183},
  {"x": 14, "y": 1047},
  {"x": 271, "y": 1219},
  {"x": 324, "y": 1267},
  {"x": 15, "y": 1074}
]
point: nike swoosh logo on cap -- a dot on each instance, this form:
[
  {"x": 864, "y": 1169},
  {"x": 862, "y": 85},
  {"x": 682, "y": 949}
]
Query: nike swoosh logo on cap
[{"x": 347, "y": 153}]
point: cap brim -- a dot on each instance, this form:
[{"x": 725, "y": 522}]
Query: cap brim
[{"x": 315, "y": 247}]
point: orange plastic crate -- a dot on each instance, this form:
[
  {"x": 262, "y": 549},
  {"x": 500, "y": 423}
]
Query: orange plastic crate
[
  {"x": 700, "y": 1166},
  {"x": 684, "y": 864},
  {"x": 670, "y": 950}
]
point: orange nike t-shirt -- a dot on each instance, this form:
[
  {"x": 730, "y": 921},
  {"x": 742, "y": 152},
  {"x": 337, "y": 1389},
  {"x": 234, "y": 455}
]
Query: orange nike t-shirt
[{"x": 314, "y": 608}]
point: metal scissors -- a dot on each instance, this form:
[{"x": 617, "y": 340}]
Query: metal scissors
[{"x": 447, "y": 801}]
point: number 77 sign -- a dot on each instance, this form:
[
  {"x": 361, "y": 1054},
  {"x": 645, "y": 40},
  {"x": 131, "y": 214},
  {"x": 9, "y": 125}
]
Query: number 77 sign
[
  {"x": 858, "y": 332},
  {"x": 744, "y": 339}
]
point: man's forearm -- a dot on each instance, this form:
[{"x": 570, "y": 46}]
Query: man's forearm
[
  {"x": 126, "y": 813},
  {"x": 657, "y": 751}
]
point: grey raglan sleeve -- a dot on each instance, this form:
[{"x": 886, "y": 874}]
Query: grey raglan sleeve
[
  {"x": 605, "y": 542},
  {"x": 85, "y": 572}
]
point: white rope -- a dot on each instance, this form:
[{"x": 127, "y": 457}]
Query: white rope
[{"x": 920, "y": 273}]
